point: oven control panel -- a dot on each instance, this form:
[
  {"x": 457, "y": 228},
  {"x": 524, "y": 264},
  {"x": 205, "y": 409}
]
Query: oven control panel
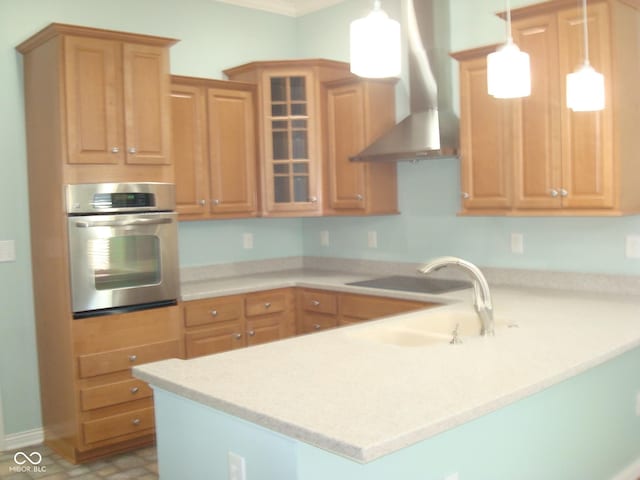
[{"x": 90, "y": 198}]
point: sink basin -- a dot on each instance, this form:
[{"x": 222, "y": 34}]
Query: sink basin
[
  {"x": 400, "y": 337},
  {"x": 431, "y": 328}
]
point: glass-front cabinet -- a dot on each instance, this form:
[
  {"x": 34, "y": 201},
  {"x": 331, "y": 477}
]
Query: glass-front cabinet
[{"x": 292, "y": 141}]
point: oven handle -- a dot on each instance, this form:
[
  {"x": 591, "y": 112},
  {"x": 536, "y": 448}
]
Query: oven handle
[{"x": 124, "y": 223}]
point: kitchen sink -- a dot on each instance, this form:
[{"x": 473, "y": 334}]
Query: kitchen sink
[{"x": 400, "y": 336}]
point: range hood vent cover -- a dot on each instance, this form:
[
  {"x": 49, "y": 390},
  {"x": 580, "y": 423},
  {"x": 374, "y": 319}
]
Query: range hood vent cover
[{"x": 432, "y": 129}]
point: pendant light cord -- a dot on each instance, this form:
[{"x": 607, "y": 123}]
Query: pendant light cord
[
  {"x": 585, "y": 32},
  {"x": 509, "y": 36}
]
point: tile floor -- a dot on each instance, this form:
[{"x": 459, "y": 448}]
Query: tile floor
[{"x": 140, "y": 464}]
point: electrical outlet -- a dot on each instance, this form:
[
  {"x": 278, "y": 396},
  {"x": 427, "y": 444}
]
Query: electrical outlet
[
  {"x": 237, "y": 467},
  {"x": 247, "y": 241},
  {"x": 517, "y": 243},
  {"x": 7, "y": 251},
  {"x": 638, "y": 404},
  {"x": 633, "y": 246},
  {"x": 453, "y": 476},
  {"x": 324, "y": 238},
  {"x": 372, "y": 239}
]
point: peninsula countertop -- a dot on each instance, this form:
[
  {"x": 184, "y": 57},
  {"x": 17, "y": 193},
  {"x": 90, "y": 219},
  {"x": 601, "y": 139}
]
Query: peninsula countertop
[{"x": 362, "y": 399}]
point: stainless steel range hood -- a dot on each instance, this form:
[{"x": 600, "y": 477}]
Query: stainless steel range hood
[{"x": 432, "y": 128}]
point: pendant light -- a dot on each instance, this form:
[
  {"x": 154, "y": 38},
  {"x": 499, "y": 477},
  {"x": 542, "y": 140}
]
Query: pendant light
[
  {"x": 375, "y": 45},
  {"x": 585, "y": 86},
  {"x": 508, "y": 69}
]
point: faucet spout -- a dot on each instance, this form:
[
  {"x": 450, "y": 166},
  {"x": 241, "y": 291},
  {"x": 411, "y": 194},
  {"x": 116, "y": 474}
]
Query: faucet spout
[{"x": 481, "y": 295}]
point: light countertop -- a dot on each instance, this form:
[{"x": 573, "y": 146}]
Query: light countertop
[{"x": 362, "y": 399}]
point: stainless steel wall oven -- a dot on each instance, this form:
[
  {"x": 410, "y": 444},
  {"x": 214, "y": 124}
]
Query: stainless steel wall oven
[{"x": 123, "y": 247}]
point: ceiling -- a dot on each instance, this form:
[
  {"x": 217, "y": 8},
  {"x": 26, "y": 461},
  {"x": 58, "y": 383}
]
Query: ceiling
[{"x": 291, "y": 8}]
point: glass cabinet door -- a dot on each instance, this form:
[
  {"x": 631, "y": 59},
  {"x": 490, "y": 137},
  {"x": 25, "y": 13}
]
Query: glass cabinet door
[{"x": 290, "y": 118}]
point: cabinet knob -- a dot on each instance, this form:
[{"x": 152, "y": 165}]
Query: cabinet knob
[
  {"x": 115, "y": 149},
  {"x": 135, "y": 421},
  {"x": 133, "y": 358},
  {"x": 215, "y": 201},
  {"x": 316, "y": 326},
  {"x": 214, "y": 313},
  {"x": 251, "y": 333},
  {"x": 267, "y": 304},
  {"x": 132, "y": 150},
  {"x": 313, "y": 199},
  {"x": 359, "y": 197},
  {"x": 563, "y": 192},
  {"x": 553, "y": 192},
  {"x": 237, "y": 336},
  {"x": 202, "y": 202},
  {"x": 465, "y": 196},
  {"x": 134, "y": 390},
  {"x": 315, "y": 303}
]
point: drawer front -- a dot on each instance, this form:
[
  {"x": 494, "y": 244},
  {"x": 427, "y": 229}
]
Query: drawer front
[
  {"x": 365, "y": 307},
  {"x": 314, "y": 322},
  {"x": 212, "y": 311},
  {"x": 321, "y": 302},
  {"x": 117, "y": 425},
  {"x": 264, "y": 303},
  {"x": 214, "y": 340},
  {"x": 114, "y": 393},
  {"x": 124, "y": 358}
]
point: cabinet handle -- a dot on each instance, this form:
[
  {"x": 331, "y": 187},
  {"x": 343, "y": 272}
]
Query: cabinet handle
[
  {"x": 214, "y": 313},
  {"x": 135, "y": 421},
  {"x": 553, "y": 192},
  {"x": 215, "y": 201},
  {"x": 251, "y": 333},
  {"x": 134, "y": 390},
  {"x": 115, "y": 149},
  {"x": 133, "y": 358},
  {"x": 132, "y": 150},
  {"x": 465, "y": 196},
  {"x": 202, "y": 202},
  {"x": 267, "y": 304},
  {"x": 315, "y": 303},
  {"x": 316, "y": 326},
  {"x": 359, "y": 197},
  {"x": 237, "y": 336},
  {"x": 563, "y": 193},
  {"x": 313, "y": 199}
]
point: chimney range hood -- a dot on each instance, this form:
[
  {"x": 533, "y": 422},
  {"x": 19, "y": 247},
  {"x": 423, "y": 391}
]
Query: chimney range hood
[{"x": 432, "y": 129}]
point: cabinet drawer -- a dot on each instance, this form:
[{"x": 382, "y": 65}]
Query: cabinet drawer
[
  {"x": 114, "y": 393},
  {"x": 314, "y": 322},
  {"x": 264, "y": 303},
  {"x": 321, "y": 302},
  {"x": 124, "y": 358},
  {"x": 117, "y": 425},
  {"x": 365, "y": 307},
  {"x": 214, "y": 340},
  {"x": 211, "y": 311}
]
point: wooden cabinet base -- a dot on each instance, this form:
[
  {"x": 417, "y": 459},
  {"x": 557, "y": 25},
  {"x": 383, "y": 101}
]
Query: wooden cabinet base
[{"x": 66, "y": 450}]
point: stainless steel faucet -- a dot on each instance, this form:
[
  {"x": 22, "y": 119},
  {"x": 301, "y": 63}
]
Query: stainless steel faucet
[{"x": 481, "y": 295}]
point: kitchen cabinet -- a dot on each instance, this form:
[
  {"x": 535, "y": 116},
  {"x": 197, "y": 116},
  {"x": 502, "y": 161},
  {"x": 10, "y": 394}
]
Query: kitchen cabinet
[
  {"x": 214, "y": 148},
  {"x": 317, "y": 310},
  {"x": 291, "y": 125},
  {"x": 224, "y": 323},
  {"x": 99, "y": 103},
  {"x": 358, "y": 112},
  {"x": 561, "y": 162}
]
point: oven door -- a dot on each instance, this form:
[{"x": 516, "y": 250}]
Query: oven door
[{"x": 118, "y": 261}]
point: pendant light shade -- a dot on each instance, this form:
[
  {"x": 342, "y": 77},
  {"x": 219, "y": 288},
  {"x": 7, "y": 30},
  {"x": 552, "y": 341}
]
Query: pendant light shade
[
  {"x": 508, "y": 69},
  {"x": 375, "y": 45},
  {"x": 585, "y": 86}
]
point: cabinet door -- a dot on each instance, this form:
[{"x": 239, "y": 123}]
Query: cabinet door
[
  {"x": 232, "y": 151},
  {"x": 537, "y": 170},
  {"x": 484, "y": 140},
  {"x": 290, "y": 148},
  {"x": 93, "y": 101},
  {"x": 147, "y": 104},
  {"x": 188, "y": 149},
  {"x": 346, "y": 137},
  {"x": 228, "y": 336},
  {"x": 587, "y": 150}
]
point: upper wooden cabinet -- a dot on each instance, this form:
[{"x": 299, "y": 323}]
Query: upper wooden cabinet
[
  {"x": 291, "y": 128},
  {"x": 101, "y": 98},
  {"x": 556, "y": 161},
  {"x": 358, "y": 112},
  {"x": 214, "y": 148}
]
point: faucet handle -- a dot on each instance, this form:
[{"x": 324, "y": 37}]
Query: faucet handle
[{"x": 455, "y": 338}]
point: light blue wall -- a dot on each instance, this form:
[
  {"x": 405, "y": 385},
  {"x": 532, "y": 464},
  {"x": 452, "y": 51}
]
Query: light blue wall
[{"x": 554, "y": 434}]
